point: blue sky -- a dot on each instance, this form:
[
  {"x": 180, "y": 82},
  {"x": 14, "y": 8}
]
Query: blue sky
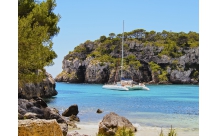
[{"x": 88, "y": 20}]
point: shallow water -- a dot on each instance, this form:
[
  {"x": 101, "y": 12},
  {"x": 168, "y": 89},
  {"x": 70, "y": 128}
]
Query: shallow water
[{"x": 162, "y": 106}]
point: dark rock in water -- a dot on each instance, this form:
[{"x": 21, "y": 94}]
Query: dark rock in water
[
  {"x": 99, "y": 111},
  {"x": 72, "y": 110},
  {"x": 111, "y": 122},
  {"x": 44, "y": 89}
]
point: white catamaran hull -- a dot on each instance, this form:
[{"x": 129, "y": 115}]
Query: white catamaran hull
[
  {"x": 137, "y": 87},
  {"x": 125, "y": 88},
  {"x": 115, "y": 87}
]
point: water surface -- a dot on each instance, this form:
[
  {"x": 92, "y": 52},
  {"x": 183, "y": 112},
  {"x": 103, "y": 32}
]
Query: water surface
[{"x": 162, "y": 106}]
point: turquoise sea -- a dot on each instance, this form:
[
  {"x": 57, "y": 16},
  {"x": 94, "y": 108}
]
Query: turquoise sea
[{"x": 162, "y": 106}]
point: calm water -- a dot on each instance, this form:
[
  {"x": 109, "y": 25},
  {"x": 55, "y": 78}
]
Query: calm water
[{"x": 162, "y": 106}]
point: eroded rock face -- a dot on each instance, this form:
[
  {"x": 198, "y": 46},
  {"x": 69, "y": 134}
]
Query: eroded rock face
[
  {"x": 180, "y": 76},
  {"x": 80, "y": 67},
  {"x": 44, "y": 89},
  {"x": 39, "y": 127},
  {"x": 111, "y": 122},
  {"x": 97, "y": 73}
]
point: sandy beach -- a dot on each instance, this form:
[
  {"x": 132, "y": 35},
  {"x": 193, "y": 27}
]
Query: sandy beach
[{"x": 92, "y": 129}]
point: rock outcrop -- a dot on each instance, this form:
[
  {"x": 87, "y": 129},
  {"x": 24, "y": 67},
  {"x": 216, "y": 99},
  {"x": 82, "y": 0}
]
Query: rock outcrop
[
  {"x": 81, "y": 67},
  {"x": 44, "y": 89},
  {"x": 72, "y": 110},
  {"x": 37, "y": 109},
  {"x": 112, "y": 122},
  {"x": 39, "y": 127}
]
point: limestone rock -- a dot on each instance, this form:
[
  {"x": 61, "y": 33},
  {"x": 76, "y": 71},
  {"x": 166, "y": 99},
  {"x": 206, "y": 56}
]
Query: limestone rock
[
  {"x": 35, "y": 109},
  {"x": 74, "y": 118},
  {"x": 111, "y": 122},
  {"x": 71, "y": 124},
  {"x": 80, "y": 67},
  {"x": 180, "y": 76},
  {"x": 97, "y": 73},
  {"x": 77, "y": 134},
  {"x": 44, "y": 89},
  {"x": 39, "y": 127}
]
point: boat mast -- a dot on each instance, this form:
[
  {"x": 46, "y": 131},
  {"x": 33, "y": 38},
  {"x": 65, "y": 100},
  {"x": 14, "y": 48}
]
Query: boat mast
[{"x": 122, "y": 53}]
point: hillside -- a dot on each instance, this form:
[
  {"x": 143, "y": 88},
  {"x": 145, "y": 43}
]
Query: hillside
[{"x": 151, "y": 57}]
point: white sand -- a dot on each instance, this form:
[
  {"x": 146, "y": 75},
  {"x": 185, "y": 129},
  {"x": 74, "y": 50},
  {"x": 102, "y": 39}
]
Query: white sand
[{"x": 92, "y": 129}]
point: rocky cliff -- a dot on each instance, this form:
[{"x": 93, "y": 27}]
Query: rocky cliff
[
  {"x": 44, "y": 89},
  {"x": 97, "y": 62}
]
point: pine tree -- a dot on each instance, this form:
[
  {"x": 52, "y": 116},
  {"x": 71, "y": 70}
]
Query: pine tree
[{"x": 37, "y": 24}]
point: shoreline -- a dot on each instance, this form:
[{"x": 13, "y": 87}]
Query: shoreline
[
  {"x": 91, "y": 129},
  {"x": 146, "y": 83}
]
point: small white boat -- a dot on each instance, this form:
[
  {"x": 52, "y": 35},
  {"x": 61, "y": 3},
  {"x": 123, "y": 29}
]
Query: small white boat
[
  {"x": 125, "y": 85},
  {"x": 115, "y": 87}
]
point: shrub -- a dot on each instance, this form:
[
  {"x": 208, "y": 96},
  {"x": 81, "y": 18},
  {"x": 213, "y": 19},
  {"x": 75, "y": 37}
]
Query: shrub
[
  {"x": 123, "y": 131},
  {"x": 171, "y": 133}
]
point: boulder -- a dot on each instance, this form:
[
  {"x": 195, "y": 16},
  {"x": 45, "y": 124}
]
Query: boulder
[
  {"x": 35, "y": 109},
  {"x": 64, "y": 128},
  {"x": 30, "y": 115},
  {"x": 71, "y": 124},
  {"x": 112, "y": 122},
  {"x": 73, "y": 109},
  {"x": 44, "y": 89},
  {"x": 99, "y": 111},
  {"x": 74, "y": 118},
  {"x": 39, "y": 127},
  {"x": 77, "y": 134}
]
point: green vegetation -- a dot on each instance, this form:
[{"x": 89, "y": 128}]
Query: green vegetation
[
  {"x": 154, "y": 67},
  {"x": 171, "y": 41},
  {"x": 161, "y": 133},
  {"x": 171, "y": 133},
  {"x": 157, "y": 70},
  {"x": 121, "y": 131},
  {"x": 167, "y": 44},
  {"x": 37, "y": 24},
  {"x": 80, "y": 49},
  {"x": 132, "y": 62},
  {"x": 171, "y": 49}
]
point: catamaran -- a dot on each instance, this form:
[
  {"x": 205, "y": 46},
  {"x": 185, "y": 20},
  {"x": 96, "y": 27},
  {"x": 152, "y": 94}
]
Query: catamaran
[{"x": 125, "y": 84}]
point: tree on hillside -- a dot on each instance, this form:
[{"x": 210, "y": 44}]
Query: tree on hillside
[
  {"x": 112, "y": 35},
  {"x": 37, "y": 24}
]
